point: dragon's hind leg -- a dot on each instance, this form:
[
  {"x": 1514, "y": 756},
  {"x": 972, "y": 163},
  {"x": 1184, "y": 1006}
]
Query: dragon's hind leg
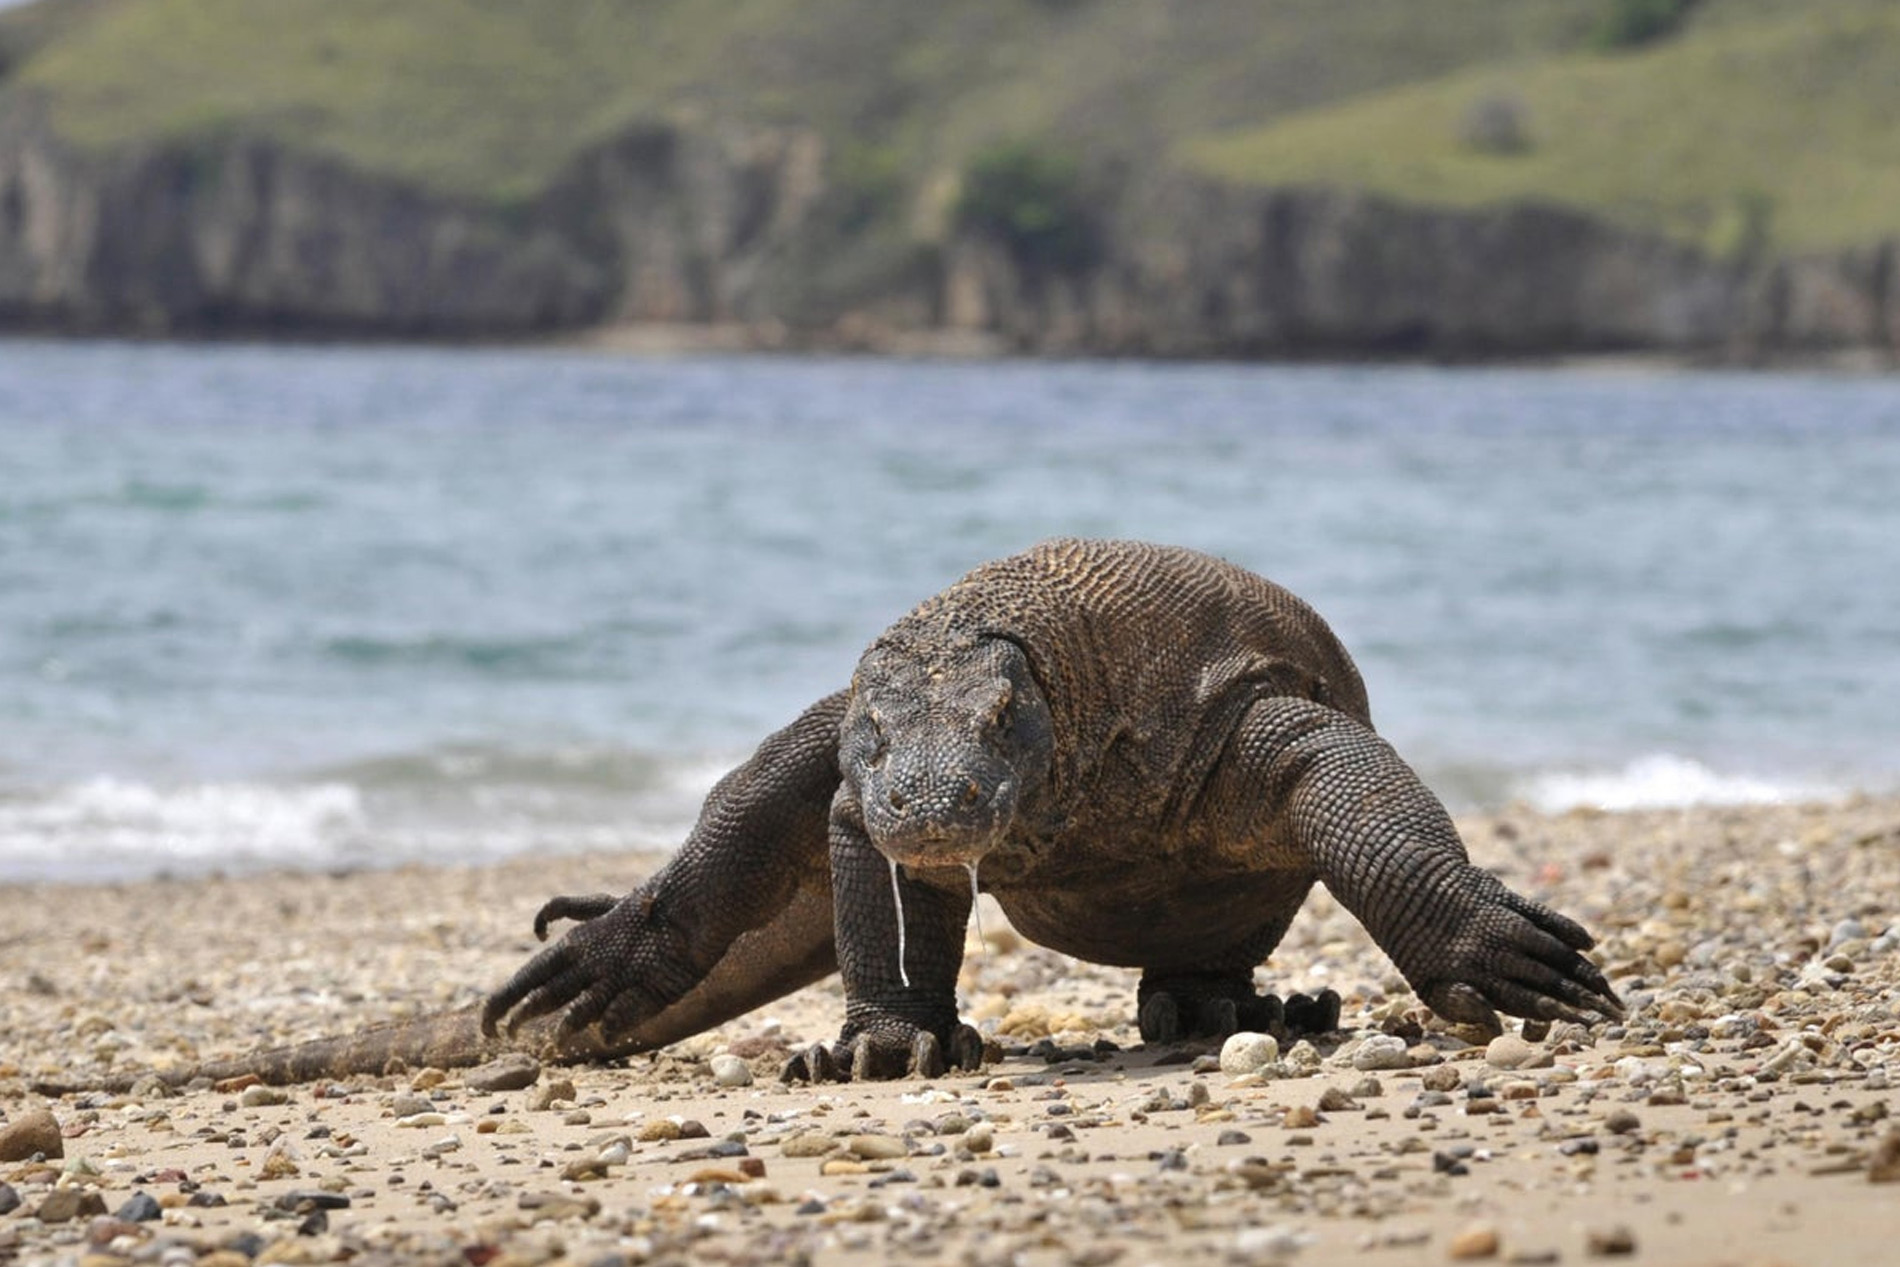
[
  {"x": 1216, "y": 998},
  {"x": 1213, "y": 1005}
]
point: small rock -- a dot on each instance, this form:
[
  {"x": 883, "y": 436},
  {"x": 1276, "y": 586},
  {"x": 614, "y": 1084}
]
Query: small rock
[
  {"x": 1333, "y": 1100},
  {"x": 1479, "y": 1240},
  {"x": 1300, "y": 1117},
  {"x": 877, "y": 1147},
  {"x": 409, "y": 1104},
  {"x": 1622, "y": 1122},
  {"x": 32, "y": 1132},
  {"x": 808, "y": 1144},
  {"x": 63, "y": 1205},
  {"x": 262, "y": 1097},
  {"x": 1381, "y": 1051},
  {"x": 141, "y": 1208},
  {"x": 513, "y": 1072},
  {"x": 658, "y": 1130},
  {"x": 1884, "y": 1165},
  {"x": 1245, "y": 1052},
  {"x": 548, "y": 1094},
  {"x": 302, "y": 1201},
  {"x": 1606, "y": 1242},
  {"x": 1510, "y": 1051},
  {"x": 9, "y": 1199},
  {"x": 980, "y": 1138},
  {"x": 1442, "y": 1078},
  {"x": 1229, "y": 1138},
  {"x": 558, "y": 1205},
  {"x": 730, "y": 1071}
]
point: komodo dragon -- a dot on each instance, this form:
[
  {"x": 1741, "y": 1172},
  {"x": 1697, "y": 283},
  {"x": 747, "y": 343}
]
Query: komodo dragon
[{"x": 1145, "y": 754}]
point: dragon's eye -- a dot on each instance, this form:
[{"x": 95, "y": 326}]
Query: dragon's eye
[{"x": 998, "y": 717}]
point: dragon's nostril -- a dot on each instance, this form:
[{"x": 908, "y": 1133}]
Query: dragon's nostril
[{"x": 897, "y": 799}]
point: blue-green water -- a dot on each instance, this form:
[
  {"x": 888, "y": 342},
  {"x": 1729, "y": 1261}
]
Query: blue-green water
[{"x": 330, "y": 606}]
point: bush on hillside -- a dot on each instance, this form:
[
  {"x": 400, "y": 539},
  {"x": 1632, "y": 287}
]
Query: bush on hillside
[
  {"x": 1032, "y": 200},
  {"x": 1633, "y": 23}
]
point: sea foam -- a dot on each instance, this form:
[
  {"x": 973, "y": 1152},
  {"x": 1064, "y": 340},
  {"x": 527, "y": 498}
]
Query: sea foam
[{"x": 1661, "y": 781}]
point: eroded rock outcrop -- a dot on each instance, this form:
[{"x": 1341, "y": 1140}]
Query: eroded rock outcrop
[{"x": 743, "y": 227}]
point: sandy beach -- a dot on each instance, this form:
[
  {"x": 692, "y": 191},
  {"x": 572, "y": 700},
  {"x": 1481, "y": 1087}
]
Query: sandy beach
[{"x": 1741, "y": 1115}]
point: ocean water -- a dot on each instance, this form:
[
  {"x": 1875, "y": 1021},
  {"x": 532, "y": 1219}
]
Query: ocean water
[{"x": 330, "y": 607}]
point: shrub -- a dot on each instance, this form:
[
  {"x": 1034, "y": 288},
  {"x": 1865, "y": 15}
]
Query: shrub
[
  {"x": 1495, "y": 125},
  {"x": 1032, "y": 200},
  {"x": 1632, "y": 23}
]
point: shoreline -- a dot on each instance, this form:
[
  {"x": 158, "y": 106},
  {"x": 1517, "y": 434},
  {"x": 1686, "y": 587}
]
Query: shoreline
[
  {"x": 1740, "y": 1115},
  {"x": 663, "y": 340}
]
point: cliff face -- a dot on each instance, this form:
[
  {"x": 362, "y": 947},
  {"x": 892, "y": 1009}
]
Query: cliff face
[
  {"x": 665, "y": 225},
  {"x": 242, "y": 236},
  {"x": 1316, "y": 272}
]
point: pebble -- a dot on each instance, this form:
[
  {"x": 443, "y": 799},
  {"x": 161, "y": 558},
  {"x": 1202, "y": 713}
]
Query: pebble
[
  {"x": 877, "y": 1147},
  {"x": 1381, "y": 1051},
  {"x": 141, "y": 1208},
  {"x": 1300, "y": 1117},
  {"x": 1441, "y": 1078},
  {"x": 1246, "y": 1052},
  {"x": 1622, "y": 1122},
  {"x": 1476, "y": 1240},
  {"x": 35, "y": 1131},
  {"x": 1609, "y": 1242},
  {"x": 553, "y": 1092},
  {"x": 9, "y": 1199},
  {"x": 558, "y": 1205},
  {"x": 730, "y": 1071},
  {"x": 262, "y": 1097},
  {"x": 516, "y": 1071},
  {"x": 1334, "y": 1100},
  {"x": 808, "y": 1144},
  {"x": 63, "y": 1205},
  {"x": 1510, "y": 1051}
]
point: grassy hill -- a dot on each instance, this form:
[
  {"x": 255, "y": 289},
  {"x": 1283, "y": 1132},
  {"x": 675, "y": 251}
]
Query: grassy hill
[
  {"x": 1758, "y": 123},
  {"x": 1782, "y": 133}
]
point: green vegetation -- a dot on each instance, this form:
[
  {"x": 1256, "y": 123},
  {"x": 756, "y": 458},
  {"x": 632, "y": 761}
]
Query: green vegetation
[
  {"x": 1743, "y": 137},
  {"x": 1755, "y": 125},
  {"x": 1032, "y": 200},
  {"x": 1629, "y": 23}
]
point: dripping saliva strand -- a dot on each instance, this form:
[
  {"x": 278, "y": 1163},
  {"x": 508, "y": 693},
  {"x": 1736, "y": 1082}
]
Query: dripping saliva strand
[{"x": 897, "y": 899}]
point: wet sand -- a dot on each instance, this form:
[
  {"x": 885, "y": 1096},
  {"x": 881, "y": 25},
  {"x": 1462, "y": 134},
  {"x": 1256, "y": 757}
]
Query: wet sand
[{"x": 1740, "y": 1115}]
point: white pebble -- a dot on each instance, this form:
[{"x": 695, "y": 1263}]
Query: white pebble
[
  {"x": 1246, "y": 1052},
  {"x": 1381, "y": 1051},
  {"x": 730, "y": 1071}
]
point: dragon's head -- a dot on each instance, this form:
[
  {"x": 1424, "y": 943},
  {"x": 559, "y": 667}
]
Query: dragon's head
[{"x": 946, "y": 747}]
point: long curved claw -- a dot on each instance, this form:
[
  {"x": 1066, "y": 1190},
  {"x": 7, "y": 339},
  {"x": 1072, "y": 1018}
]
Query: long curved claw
[
  {"x": 966, "y": 1049},
  {"x": 880, "y": 1057},
  {"x": 1159, "y": 1019},
  {"x": 580, "y": 907},
  {"x": 814, "y": 1065},
  {"x": 538, "y": 987},
  {"x": 1516, "y": 955}
]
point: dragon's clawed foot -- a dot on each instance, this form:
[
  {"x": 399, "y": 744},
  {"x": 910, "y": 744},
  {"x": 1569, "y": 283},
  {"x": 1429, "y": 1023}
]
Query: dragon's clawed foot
[
  {"x": 1177, "y": 1009},
  {"x": 1510, "y": 954},
  {"x": 876, "y": 1056}
]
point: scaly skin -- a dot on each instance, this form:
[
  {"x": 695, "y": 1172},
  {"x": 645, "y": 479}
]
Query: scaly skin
[{"x": 1148, "y": 755}]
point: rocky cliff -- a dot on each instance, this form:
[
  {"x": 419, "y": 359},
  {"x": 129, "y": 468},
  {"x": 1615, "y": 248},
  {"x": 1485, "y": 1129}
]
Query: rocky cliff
[{"x": 748, "y": 229}]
